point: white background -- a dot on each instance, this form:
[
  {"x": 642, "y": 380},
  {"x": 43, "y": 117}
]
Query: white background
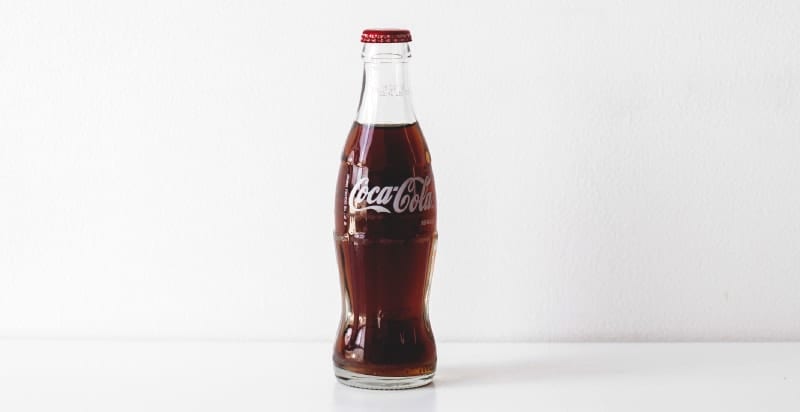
[{"x": 606, "y": 170}]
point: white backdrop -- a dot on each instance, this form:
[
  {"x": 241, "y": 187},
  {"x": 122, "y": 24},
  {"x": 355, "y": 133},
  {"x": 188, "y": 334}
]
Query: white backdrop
[{"x": 606, "y": 170}]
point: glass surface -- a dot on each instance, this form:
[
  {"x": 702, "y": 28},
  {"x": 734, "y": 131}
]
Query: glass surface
[{"x": 385, "y": 234}]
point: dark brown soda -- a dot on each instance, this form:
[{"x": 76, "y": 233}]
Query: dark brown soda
[{"x": 385, "y": 258}]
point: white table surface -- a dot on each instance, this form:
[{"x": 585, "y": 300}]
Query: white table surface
[{"x": 85, "y": 375}]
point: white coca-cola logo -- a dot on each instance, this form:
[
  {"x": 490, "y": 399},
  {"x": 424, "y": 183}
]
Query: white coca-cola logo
[{"x": 414, "y": 195}]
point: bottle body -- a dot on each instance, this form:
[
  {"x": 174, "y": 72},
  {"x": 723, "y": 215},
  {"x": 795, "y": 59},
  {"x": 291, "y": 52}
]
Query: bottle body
[{"x": 386, "y": 242}]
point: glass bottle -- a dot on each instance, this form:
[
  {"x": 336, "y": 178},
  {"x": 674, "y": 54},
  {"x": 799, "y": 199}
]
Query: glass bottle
[{"x": 385, "y": 229}]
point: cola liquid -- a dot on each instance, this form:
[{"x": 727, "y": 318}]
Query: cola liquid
[
  {"x": 385, "y": 269},
  {"x": 385, "y": 233}
]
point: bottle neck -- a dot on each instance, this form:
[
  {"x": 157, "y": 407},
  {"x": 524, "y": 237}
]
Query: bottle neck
[{"x": 385, "y": 91}]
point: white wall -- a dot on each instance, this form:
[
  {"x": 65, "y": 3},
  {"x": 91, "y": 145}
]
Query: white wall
[{"x": 606, "y": 170}]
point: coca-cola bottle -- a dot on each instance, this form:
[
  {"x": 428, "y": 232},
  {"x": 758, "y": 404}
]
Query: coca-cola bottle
[{"x": 385, "y": 229}]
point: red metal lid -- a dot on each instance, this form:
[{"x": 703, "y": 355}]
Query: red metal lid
[{"x": 385, "y": 36}]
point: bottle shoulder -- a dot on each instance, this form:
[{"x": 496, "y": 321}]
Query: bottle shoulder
[{"x": 386, "y": 146}]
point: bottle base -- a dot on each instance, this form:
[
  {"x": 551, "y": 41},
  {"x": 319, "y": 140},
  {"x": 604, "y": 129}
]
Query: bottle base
[{"x": 358, "y": 380}]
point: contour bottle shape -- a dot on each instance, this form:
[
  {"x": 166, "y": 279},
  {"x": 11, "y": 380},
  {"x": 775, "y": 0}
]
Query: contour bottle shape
[{"x": 385, "y": 232}]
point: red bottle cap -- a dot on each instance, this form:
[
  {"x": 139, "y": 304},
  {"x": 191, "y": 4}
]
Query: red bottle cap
[{"x": 385, "y": 36}]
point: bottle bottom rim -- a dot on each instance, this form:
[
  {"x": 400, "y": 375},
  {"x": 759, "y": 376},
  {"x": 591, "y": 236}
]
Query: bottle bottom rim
[{"x": 358, "y": 380}]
